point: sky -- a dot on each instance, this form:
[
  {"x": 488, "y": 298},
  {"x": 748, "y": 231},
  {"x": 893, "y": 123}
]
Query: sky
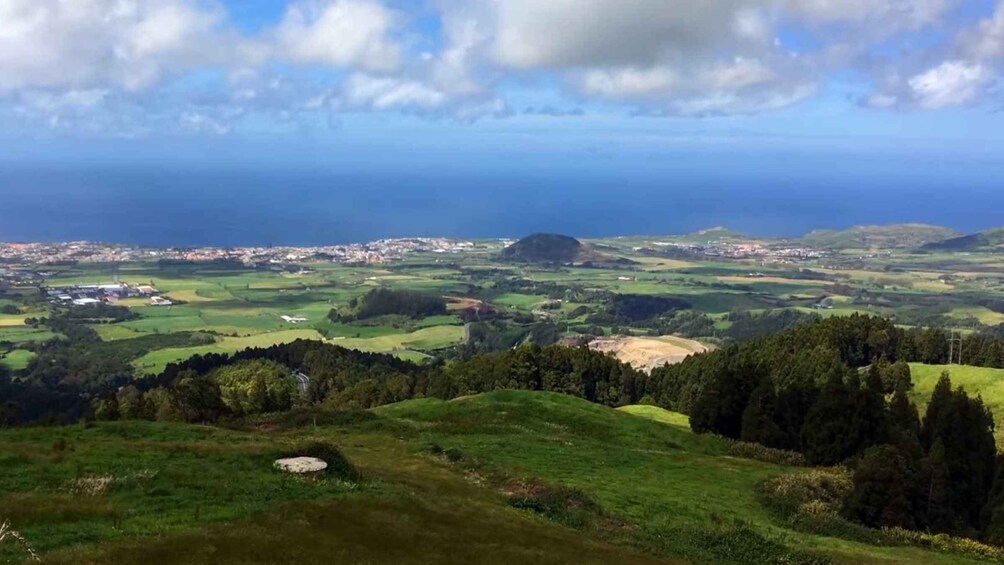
[{"x": 854, "y": 87}]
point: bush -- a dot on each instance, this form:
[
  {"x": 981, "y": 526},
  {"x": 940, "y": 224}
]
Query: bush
[
  {"x": 339, "y": 467},
  {"x": 748, "y": 450},
  {"x": 811, "y": 493},
  {"x": 568, "y": 506},
  {"x": 740, "y": 543},
  {"x": 451, "y": 454},
  {"x": 945, "y": 544}
]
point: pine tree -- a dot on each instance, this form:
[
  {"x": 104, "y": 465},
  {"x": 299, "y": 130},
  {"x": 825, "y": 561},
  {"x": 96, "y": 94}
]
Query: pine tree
[
  {"x": 993, "y": 512},
  {"x": 881, "y": 495},
  {"x": 871, "y": 420},
  {"x": 941, "y": 398},
  {"x": 938, "y": 511},
  {"x": 829, "y": 435},
  {"x": 759, "y": 418}
]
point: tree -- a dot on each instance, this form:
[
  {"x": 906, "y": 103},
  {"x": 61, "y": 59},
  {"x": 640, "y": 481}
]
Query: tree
[
  {"x": 255, "y": 387},
  {"x": 132, "y": 405},
  {"x": 870, "y": 418},
  {"x": 759, "y": 419},
  {"x": 197, "y": 398},
  {"x": 938, "y": 511},
  {"x": 881, "y": 495},
  {"x": 941, "y": 397},
  {"x": 904, "y": 424},
  {"x": 964, "y": 429},
  {"x": 993, "y": 512},
  {"x": 829, "y": 434}
]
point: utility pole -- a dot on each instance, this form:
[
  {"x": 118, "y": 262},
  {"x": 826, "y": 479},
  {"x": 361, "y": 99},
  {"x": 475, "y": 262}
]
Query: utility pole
[{"x": 951, "y": 348}]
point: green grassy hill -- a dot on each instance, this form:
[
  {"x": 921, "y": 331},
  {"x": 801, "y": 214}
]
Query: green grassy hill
[
  {"x": 497, "y": 478},
  {"x": 987, "y": 240},
  {"x": 551, "y": 248},
  {"x": 987, "y": 382},
  {"x": 897, "y": 236}
]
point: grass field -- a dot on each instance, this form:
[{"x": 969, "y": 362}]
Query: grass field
[
  {"x": 179, "y": 494},
  {"x": 7, "y": 321},
  {"x": 988, "y": 383},
  {"x": 17, "y": 359},
  {"x": 155, "y": 361},
  {"x": 25, "y": 334},
  {"x": 654, "y": 413},
  {"x": 434, "y": 337},
  {"x": 234, "y": 302}
]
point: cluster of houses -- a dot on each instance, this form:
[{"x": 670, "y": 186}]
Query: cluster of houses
[{"x": 85, "y": 294}]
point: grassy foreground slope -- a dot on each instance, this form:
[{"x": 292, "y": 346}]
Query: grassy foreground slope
[{"x": 443, "y": 483}]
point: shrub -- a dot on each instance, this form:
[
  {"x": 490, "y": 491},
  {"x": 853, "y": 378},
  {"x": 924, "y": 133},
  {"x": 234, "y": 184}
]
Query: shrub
[
  {"x": 814, "y": 492},
  {"x": 8, "y": 533},
  {"x": 568, "y": 506},
  {"x": 738, "y": 542},
  {"x": 339, "y": 466},
  {"x": 747, "y": 450},
  {"x": 945, "y": 544},
  {"x": 451, "y": 454}
]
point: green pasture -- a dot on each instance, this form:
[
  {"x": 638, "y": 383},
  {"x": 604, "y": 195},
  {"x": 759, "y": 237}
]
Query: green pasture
[
  {"x": 17, "y": 359},
  {"x": 24, "y": 334},
  {"x": 155, "y": 361},
  {"x": 435, "y": 337},
  {"x": 986, "y": 382}
]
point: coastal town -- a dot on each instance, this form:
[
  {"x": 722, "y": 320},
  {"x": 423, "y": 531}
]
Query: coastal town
[{"x": 376, "y": 252}]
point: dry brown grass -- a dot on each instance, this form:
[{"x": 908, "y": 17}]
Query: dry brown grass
[{"x": 9, "y": 535}]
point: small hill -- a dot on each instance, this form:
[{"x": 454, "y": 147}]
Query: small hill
[
  {"x": 550, "y": 248},
  {"x": 896, "y": 236},
  {"x": 985, "y": 240},
  {"x": 717, "y": 233}
]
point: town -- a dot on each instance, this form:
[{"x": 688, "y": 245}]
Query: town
[{"x": 376, "y": 252}]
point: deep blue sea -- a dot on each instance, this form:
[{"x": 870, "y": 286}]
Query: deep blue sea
[{"x": 169, "y": 207}]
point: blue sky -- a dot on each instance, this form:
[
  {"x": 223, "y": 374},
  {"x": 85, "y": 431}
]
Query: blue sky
[{"x": 871, "y": 84}]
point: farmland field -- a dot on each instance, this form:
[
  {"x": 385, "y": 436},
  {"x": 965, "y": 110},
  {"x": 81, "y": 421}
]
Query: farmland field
[{"x": 242, "y": 306}]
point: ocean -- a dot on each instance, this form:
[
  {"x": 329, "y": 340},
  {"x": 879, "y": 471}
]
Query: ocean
[{"x": 172, "y": 207}]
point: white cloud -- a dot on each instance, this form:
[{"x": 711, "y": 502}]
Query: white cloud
[
  {"x": 740, "y": 73},
  {"x": 662, "y": 56},
  {"x": 343, "y": 33},
  {"x": 628, "y": 82},
  {"x": 950, "y": 84},
  {"x": 884, "y": 14},
  {"x": 63, "y": 60},
  {"x": 986, "y": 41},
  {"x": 379, "y": 93},
  {"x": 201, "y": 123},
  {"x": 592, "y": 33},
  {"x": 130, "y": 44}
]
